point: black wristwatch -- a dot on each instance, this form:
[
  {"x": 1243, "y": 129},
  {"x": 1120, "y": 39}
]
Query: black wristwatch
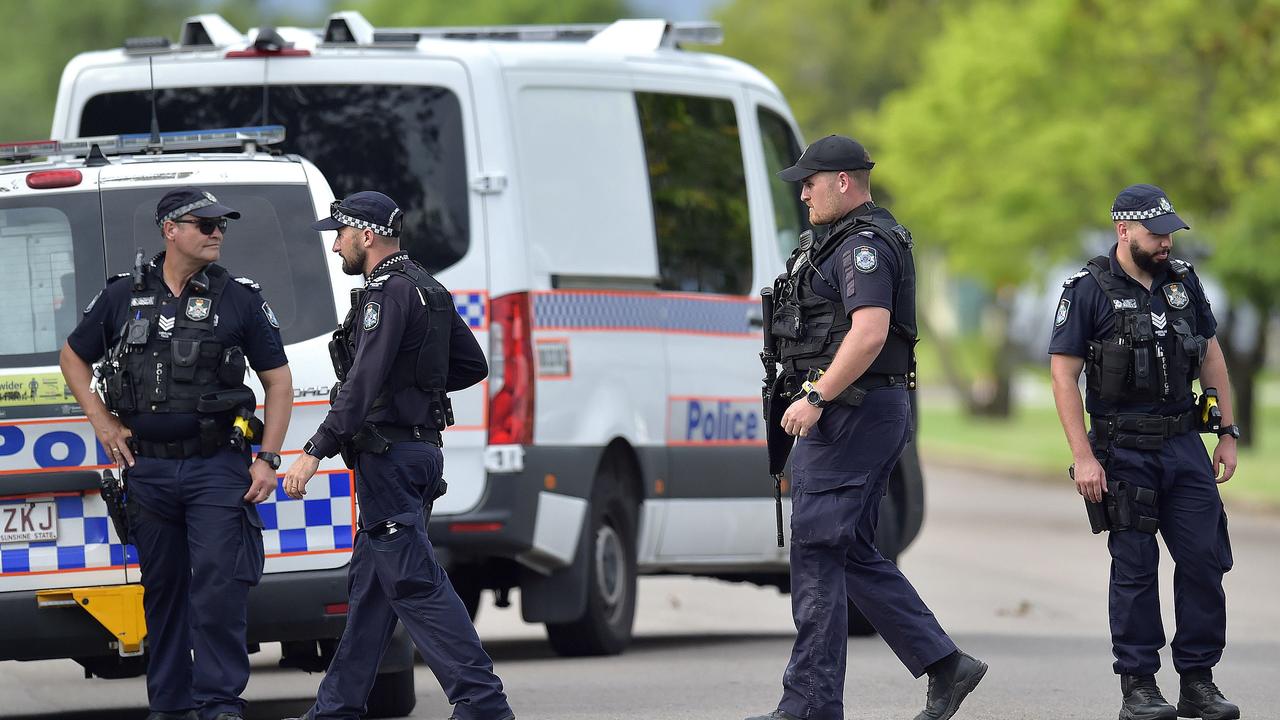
[
  {"x": 1232, "y": 430},
  {"x": 270, "y": 458},
  {"x": 812, "y": 396}
]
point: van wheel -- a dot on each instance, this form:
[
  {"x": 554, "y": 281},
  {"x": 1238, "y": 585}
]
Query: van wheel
[
  {"x": 605, "y": 627},
  {"x": 889, "y": 541},
  {"x": 392, "y": 695}
]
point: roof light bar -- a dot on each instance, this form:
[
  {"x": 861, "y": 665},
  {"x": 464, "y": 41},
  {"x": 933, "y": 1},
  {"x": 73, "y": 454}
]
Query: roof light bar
[{"x": 182, "y": 140}]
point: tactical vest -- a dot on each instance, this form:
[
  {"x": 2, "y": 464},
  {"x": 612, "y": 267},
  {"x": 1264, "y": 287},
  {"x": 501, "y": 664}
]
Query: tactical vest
[
  {"x": 809, "y": 327},
  {"x": 175, "y": 365},
  {"x": 428, "y": 369},
  {"x": 1135, "y": 365}
]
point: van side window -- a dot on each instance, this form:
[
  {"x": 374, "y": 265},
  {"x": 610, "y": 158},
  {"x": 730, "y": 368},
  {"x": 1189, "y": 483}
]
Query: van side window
[
  {"x": 699, "y": 192},
  {"x": 790, "y": 217},
  {"x": 50, "y": 266},
  {"x": 403, "y": 140}
]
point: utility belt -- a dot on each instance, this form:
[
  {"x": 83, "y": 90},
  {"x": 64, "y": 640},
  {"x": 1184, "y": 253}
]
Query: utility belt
[
  {"x": 1139, "y": 432},
  {"x": 377, "y": 438},
  {"x": 855, "y": 394},
  {"x": 238, "y": 433}
]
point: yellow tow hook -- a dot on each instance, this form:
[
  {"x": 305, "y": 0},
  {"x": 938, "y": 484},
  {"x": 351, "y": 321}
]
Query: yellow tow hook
[{"x": 118, "y": 608}]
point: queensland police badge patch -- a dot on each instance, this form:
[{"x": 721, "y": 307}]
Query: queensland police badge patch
[
  {"x": 198, "y": 308},
  {"x": 271, "y": 316},
  {"x": 864, "y": 258},
  {"x": 1176, "y": 295},
  {"x": 1064, "y": 307},
  {"x": 372, "y": 314}
]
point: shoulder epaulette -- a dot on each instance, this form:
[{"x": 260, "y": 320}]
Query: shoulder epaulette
[
  {"x": 118, "y": 276},
  {"x": 1071, "y": 281},
  {"x": 376, "y": 283},
  {"x": 249, "y": 283}
]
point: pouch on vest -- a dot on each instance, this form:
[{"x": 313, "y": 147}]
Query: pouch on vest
[
  {"x": 232, "y": 366},
  {"x": 786, "y": 322},
  {"x": 1112, "y": 367},
  {"x": 185, "y": 355}
]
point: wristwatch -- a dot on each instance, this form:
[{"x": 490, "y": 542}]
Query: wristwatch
[
  {"x": 1232, "y": 430},
  {"x": 311, "y": 449},
  {"x": 812, "y": 396},
  {"x": 269, "y": 458}
]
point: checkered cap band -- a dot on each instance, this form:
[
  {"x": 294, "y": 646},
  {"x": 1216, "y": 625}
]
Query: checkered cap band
[
  {"x": 346, "y": 219},
  {"x": 205, "y": 201},
  {"x": 1139, "y": 214}
]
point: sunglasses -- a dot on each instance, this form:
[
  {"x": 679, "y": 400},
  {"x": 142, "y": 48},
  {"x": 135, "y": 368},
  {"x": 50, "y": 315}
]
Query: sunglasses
[{"x": 207, "y": 225}]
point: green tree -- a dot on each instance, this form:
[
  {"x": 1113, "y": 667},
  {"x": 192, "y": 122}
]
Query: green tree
[
  {"x": 397, "y": 13},
  {"x": 1027, "y": 118}
]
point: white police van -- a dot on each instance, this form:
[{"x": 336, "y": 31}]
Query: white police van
[{"x": 603, "y": 205}]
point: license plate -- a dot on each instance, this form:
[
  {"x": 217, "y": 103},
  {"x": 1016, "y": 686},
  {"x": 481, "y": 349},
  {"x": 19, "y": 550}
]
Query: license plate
[{"x": 28, "y": 521}]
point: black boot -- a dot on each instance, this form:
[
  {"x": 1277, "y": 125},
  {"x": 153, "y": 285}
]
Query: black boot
[
  {"x": 1200, "y": 698},
  {"x": 775, "y": 715},
  {"x": 1142, "y": 699},
  {"x": 951, "y": 679}
]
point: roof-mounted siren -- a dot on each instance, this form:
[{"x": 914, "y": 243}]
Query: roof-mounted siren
[
  {"x": 648, "y": 35},
  {"x": 208, "y": 30},
  {"x": 348, "y": 28}
]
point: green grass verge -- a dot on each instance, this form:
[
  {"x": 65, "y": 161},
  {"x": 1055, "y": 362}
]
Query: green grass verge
[{"x": 1032, "y": 442}]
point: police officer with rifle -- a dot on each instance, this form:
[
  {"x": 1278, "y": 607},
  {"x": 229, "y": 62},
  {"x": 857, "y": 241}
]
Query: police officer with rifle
[
  {"x": 1139, "y": 325},
  {"x": 401, "y": 348},
  {"x": 844, "y": 323},
  {"x": 178, "y": 335}
]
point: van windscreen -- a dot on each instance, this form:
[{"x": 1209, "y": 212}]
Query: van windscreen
[{"x": 403, "y": 140}]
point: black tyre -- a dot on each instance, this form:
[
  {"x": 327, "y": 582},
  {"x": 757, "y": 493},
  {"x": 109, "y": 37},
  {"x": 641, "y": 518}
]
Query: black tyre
[
  {"x": 889, "y": 541},
  {"x": 392, "y": 695},
  {"x": 605, "y": 626}
]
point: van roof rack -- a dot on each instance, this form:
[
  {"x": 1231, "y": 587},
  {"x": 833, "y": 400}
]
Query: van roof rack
[
  {"x": 350, "y": 29},
  {"x": 139, "y": 143}
]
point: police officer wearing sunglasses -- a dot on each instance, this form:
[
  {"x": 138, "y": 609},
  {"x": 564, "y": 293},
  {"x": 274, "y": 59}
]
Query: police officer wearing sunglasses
[
  {"x": 401, "y": 348},
  {"x": 178, "y": 335}
]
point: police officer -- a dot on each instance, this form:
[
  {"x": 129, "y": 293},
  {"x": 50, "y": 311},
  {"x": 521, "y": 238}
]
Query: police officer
[
  {"x": 176, "y": 334},
  {"x": 844, "y": 320},
  {"x": 1138, "y": 323},
  {"x": 400, "y": 349}
]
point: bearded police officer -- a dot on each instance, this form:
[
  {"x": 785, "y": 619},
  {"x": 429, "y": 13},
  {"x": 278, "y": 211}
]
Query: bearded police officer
[
  {"x": 1138, "y": 323},
  {"x": 177, "y": 334},
  {"x": 845, "y": 325},
  {"x": 400, "y": 349}
]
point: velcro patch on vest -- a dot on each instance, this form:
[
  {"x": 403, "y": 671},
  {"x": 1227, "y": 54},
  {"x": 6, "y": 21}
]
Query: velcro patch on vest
[
  {"x": 198, "y": 308},
  {"x": 271, "y": 316},
  {"x": 1125, "y": 304},
  {"x": 372, "y": 314},
  {"x": 144, "y": 301},
  {"x": 1176, "y": 295},
  {"x": 847, "y": 261},
  {"x": 1064, "y": 307},
  {"x": 865, "y": 259}
]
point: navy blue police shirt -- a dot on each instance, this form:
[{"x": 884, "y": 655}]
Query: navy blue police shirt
[
  {"x": 243, "y": 319},
  {"x": 395, "y": 329},
  {"x": 1085, "y": 314},
  {"x": 863, "y": 271}
]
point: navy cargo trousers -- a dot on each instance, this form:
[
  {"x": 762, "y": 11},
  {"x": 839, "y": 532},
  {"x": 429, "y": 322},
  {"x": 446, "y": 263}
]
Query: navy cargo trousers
[
  {"x": 840, "y": 473},
  {"x": 1194, "y": 527}
]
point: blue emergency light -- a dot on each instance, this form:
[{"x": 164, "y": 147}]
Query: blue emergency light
[{"x": 135, "y": 143}]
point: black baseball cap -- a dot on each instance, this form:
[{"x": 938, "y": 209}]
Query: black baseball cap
[
  {"x": 1150, "y": 206},
  {"x": 191, "y": 201},
  {"x": 833, "y": 152},
  {"x": 365, "y": 210}
]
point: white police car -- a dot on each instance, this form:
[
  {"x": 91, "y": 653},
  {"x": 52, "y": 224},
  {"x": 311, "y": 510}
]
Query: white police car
[
  {"x": 603, "y": 205},
  {"x": 68, "y": 587}
]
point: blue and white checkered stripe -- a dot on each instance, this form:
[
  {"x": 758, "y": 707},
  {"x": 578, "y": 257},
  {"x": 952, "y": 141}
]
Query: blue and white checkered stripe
[
  {"x": 320, "y": 521},
  {"x": 471, "y": 306},
  {"x": 86, "y": 540},
  {"x": 657, "y": 312}
]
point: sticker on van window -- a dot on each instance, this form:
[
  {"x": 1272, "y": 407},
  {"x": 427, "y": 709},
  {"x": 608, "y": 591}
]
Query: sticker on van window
[{"x": 34, "y": 389}]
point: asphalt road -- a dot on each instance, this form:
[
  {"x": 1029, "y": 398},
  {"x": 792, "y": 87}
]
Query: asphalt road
[{"x": 1009, "y": 568}]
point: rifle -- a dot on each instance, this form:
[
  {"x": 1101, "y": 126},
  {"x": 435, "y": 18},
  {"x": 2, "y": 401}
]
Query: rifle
[{"x": 778, "y": 443}]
